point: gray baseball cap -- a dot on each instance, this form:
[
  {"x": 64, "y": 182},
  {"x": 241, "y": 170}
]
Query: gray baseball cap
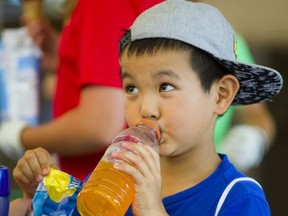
[{"x": 203, "y": 26}]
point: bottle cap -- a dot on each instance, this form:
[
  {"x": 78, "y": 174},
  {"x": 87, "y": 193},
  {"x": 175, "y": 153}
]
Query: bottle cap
[
  {"x": 4, "y": 181},
  {"x": 152, "y": 124}
]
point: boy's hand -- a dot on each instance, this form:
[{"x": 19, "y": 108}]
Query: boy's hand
[
  {"x": 143, "y": 164},
  {"x": 31, "y": 168}
]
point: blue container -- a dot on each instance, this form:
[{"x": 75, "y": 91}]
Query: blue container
[
  {"x": 3, "y": 86},
  {"x": 4, "y": 191}
]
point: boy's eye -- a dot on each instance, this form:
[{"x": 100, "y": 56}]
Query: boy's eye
[
  {"x": 166, "y": 87},
  {"x": 131, "y": 89}
]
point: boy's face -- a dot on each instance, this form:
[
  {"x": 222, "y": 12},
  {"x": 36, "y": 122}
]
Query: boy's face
[{"x": 164, "y": 87}]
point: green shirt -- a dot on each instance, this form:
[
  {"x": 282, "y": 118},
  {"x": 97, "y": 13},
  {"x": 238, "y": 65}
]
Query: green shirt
[{"x": 224, "y": 123}]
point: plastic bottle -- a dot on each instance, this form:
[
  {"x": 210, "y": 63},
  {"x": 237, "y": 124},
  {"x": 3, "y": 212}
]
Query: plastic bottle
[
  {"x": 3, "y": 85},
  {"x": 4, "y": 191},
  {"x": 22, "y": 73},
  {"x": 109, "y": 191}
]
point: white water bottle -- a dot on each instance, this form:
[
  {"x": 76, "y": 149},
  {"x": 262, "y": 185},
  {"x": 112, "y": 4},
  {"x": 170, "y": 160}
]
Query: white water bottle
[{"x": 21, "y": 74}]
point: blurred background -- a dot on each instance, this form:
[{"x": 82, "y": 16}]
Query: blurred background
[{"x": 265, "y": 27}]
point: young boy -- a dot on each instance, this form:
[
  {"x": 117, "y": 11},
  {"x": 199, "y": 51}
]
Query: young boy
[{"x": 178, "y": 68}]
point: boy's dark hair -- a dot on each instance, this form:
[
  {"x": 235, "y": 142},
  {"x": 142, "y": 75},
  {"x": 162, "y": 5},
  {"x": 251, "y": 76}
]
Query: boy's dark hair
[{"x": 207, "y": 69}]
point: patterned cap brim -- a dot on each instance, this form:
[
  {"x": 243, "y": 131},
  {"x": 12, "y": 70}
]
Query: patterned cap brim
[{"x": 257, "y": 83}]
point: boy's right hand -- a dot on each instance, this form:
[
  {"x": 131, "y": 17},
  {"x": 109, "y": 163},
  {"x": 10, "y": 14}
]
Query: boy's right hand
[{"x": 31, "y": 168}]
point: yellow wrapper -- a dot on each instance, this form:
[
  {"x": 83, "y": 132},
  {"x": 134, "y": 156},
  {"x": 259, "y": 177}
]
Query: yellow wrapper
[{"x": 58, "y": 185}]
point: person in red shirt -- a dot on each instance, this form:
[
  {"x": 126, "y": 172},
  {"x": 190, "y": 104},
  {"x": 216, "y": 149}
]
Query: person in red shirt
[{"x": 88, "y": 104}]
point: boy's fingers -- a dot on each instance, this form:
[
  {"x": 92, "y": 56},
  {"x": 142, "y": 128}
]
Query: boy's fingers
[
  {"x": 33, "y": 166},
  {"x": 19, "y": 177},
  {"x": 135, "y": 155},
  {"x": 33, "y": 163},
  {"x": 22, "y": 172},
  {"x": 148, "y": 154},
  {"x": 45, "y": 161},
  {"x": 24, "y": 168}
]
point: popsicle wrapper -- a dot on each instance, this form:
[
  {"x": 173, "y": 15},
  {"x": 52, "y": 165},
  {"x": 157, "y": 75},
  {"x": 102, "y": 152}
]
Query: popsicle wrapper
[{"x": 56, "y": 195}]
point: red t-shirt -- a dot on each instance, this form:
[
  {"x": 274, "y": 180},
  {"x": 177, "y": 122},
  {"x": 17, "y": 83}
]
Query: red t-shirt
[{"x": 88, "y": 55}]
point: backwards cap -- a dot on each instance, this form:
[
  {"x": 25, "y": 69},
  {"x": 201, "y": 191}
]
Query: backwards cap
[{"x": 203, "y": 26}]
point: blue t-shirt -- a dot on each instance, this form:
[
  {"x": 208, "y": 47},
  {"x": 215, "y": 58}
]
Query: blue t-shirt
[{"x": 245, "y": 198}]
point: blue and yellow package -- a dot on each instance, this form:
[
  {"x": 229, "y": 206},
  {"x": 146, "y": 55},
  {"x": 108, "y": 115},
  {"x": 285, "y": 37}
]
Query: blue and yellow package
[{"x": 56, "y": 195}]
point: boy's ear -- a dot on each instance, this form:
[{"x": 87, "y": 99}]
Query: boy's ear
[{"x": 227, "y": 88}]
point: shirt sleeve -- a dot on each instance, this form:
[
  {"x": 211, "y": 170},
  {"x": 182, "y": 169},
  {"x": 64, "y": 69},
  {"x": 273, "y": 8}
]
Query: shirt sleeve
[{"x": 100, "y": 27}]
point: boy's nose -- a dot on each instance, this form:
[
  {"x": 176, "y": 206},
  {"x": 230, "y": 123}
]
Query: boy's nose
[{"x": 149, "y": 108}]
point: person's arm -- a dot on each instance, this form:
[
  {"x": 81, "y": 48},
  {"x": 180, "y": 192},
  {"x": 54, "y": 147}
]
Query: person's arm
[
  {"x": 84, "y": 129},
  {"x": 20, "y": 207},
  {"x": 258, "y": 115},
  {"x": 250, "y": 137}
]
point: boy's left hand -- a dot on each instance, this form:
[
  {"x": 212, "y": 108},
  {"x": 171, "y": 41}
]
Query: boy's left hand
[
  {"x": 31, "y": 168},
  {"x": 143, "y": 164}
]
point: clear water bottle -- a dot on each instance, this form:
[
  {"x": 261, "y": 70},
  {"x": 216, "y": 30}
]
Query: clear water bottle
[
  {"x": 109, "y": 191},
  {"x": 4, "y": 191}
]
